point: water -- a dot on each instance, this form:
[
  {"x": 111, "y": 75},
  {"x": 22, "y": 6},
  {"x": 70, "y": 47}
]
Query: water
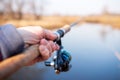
[{"x": 95, "y": 56}]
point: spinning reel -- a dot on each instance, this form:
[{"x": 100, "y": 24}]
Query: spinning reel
[{"x": 61, "y": 61}]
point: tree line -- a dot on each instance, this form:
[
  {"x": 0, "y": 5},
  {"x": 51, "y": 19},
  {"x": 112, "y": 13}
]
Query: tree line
[{"x": 17, "y": 8}]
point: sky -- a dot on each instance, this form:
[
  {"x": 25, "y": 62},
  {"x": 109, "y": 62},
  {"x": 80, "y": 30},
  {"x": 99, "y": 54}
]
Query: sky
[{"x": 81, "y": 7}]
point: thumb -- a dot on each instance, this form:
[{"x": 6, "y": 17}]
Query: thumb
[{"x": 49, "y": 35}]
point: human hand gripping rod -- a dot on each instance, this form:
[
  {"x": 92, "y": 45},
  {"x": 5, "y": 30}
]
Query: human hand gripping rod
[
  {"x": 16, "y": 62},
  {"x": 61, "y": 62}
]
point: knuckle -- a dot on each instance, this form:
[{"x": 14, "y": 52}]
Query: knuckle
[{"x": 43, "y": 42}]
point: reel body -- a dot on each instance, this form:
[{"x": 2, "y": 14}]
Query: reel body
[{"x": 61, "y": 62}]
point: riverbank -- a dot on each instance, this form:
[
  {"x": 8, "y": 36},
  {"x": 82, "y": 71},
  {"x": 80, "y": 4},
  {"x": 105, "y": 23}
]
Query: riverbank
[
  {"x": 49, "y": 22},
  {"x": 53, "y": 22},
  {"x": 113, "y": 20}
]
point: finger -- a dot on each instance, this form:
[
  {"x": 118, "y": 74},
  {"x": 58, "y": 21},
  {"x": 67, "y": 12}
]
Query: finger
[
  {"x": 47, "y": 44},
  {"x": 49, "y": 35},
  {"x": 44, "y": 52},
  {"x": 49, "y": 47},
  {"x": 43, "y": 42},
  {"x": 57, "y": 46},
  {"x": 53, "y": 45}
]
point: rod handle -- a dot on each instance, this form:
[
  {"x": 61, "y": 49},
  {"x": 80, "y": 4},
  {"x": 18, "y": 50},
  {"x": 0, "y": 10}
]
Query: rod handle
[{"x": 62, "y": 31}]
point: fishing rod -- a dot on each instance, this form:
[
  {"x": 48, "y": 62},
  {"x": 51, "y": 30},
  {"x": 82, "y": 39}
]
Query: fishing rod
[{"x": 61, "y": 61}]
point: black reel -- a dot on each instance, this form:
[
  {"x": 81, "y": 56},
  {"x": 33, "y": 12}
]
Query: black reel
[{"x": 61, "y": 62}]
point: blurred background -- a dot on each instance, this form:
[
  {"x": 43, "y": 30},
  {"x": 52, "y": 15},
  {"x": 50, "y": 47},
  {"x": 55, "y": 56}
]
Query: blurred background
[
  {"x": 94, "y": 43},
  {"x": 46, "y": 12}
]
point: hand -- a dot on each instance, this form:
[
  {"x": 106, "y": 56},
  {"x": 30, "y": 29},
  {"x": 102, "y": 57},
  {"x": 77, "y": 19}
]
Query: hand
[
  {"x": 37, "y": 35},
  {"x": 33, "y": 34}
]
